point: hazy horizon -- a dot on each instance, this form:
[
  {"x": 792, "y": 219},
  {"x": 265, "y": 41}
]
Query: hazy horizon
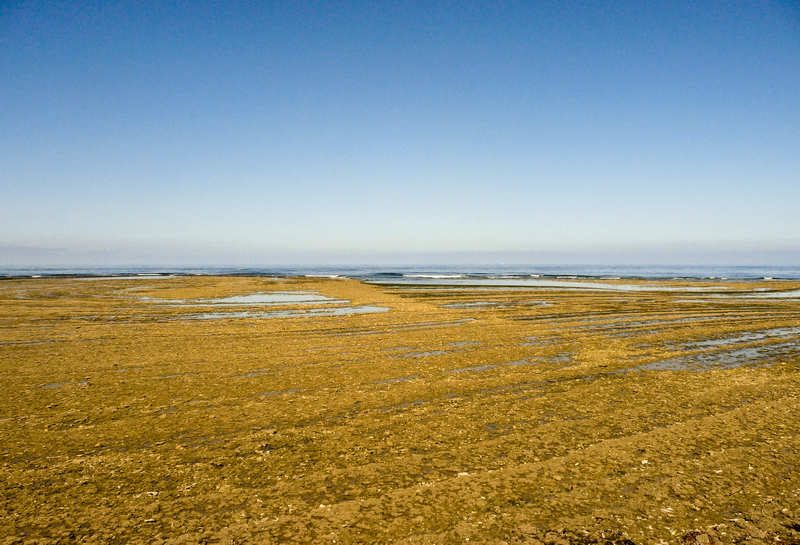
[{"x": 180, "y": 257}]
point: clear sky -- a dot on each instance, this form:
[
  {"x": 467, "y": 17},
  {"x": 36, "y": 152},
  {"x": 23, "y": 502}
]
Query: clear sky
[{"x": 257, "y": 132}]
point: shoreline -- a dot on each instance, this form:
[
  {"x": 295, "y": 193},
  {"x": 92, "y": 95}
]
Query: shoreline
[{"x": 388, "y": 275}]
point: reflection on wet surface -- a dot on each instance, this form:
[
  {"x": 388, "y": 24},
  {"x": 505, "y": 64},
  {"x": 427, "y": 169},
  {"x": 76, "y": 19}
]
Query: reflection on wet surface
[
  {"x": 496, "y": 304},
  {"x": 254, "y": 299},
  {"x": 425, "y": 353},
  {"x": 483, "y": 367},
  {"x": 726, "y": 359},
  {"x": 61, "y": 384},
  {"x": 744, "y": 337},
  {"x": 54, "y": 385},
  {"x": 281, "y": 393},
  {"x": 520, "y": 362},
  {"x": 563, "y": 358},
  {"x": 129, "y": 277},
  {"x": 251, "y": 374},
  {"x": 338, "y": 311},
  {"x": 786, "y": 294},
  {"x": 474, "y": 304},
  {"x": 535, "y": 340},
  {"x": 269, "y": 298},
  {"x": 394, "y": 380},
  {"x": 397, "y": 349}
]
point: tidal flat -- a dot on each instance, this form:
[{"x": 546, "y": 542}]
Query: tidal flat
[{"x": 239, "y": 410}]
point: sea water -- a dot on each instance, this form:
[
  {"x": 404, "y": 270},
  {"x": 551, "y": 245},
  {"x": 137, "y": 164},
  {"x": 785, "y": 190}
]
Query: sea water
[{"x": 438, "y": 274}]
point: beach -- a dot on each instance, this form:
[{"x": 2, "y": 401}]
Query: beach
[{"x": 253, "y": 409}]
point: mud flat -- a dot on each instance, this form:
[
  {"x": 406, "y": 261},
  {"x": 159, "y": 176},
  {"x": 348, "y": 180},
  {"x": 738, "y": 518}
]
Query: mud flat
[{"x": 262, "y": 410}]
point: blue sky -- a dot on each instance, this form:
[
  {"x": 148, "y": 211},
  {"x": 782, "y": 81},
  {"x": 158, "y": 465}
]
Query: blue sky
[{"x": 240, "y": 133}]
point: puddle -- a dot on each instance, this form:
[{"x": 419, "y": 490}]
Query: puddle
[
  {"x": 534, "y": 340},
  {"x": 523, "y": 361},
  {"x": 561, "y": 358},
  {"x": 134, "y": 277},
  {"x": 726, "y": 359},
  {"x": 565, "y": 357},
  {"x": 26, "y": 343},
  {"x": 484, "y": 367},
  {"x": 394, "y": 380},
  {"x": 355, "y": 333},
  {"x": 339, "y": 311},
  {"x": 426, "y": 353},
  {"x": 284, "y": 392},
  {"x": 745, "y": 337},
  {"x": 756, "y": 293},
  {"x": 223, "y": 315},
  {"x": 476, "y": 304},
  {"x": 54, "y": 385},
  {"x": 255, "y": 299},
  {"x": 497, "y": 304},
  {"x": 439, "y": 288},
  {"x": 599, "y": 324},
  {"x": 272, "y": 298},
  {"x": 427, "y": 325},
  {"x": 60, "y": 384},
  {"x": 788, "y": 294},
  {"x": 624, "y": 333},
  {"x": 251, "y": 374},
  {"x": 178, "y": 375}
]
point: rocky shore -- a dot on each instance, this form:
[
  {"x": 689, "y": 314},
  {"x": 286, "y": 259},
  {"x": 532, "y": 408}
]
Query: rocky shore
[{"x": 241, "y": 410}]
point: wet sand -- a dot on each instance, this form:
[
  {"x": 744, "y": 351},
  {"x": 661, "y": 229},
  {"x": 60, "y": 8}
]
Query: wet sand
[{"x": 144, "y": 410}]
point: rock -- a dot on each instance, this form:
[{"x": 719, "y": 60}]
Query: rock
[{"x": 699, "y": 538}]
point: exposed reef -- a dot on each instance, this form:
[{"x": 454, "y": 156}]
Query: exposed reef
[{"x": 329, "y": 410}]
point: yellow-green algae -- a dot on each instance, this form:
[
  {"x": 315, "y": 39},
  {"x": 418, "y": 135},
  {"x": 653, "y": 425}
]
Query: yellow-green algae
[{"x": 126, "y": 420}]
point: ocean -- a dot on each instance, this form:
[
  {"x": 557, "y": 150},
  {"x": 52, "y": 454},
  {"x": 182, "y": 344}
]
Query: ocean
[{"x": 432, "y": 273}]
